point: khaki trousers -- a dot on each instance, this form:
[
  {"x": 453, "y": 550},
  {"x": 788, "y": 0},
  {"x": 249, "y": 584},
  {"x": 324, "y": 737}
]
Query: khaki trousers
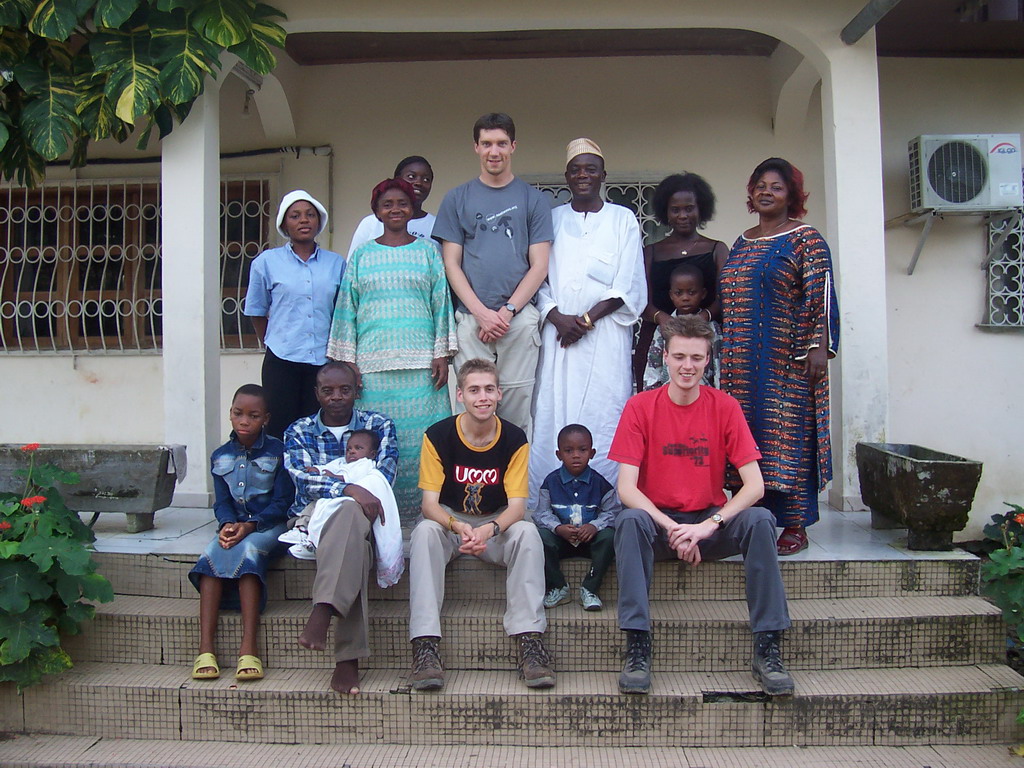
[
  {"x": 515, "y": 354},
  {"x": 518, "y": 549},
  {"x": 343, "y": 562}
]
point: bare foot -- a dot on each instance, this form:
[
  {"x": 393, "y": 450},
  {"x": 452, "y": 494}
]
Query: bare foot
[
  {"x": 346, "y": 677},
  {"x": 314, "y": 636}
]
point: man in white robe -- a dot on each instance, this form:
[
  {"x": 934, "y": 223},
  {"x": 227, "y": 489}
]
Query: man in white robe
[{"x": 594, "y": 292}]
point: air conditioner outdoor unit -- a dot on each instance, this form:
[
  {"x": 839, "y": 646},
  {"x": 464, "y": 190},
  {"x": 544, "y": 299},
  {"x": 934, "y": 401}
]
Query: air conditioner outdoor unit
[{"x": 965, "y": 172}]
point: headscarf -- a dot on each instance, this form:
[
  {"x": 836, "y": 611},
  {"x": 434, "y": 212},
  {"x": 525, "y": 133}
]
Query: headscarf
[{"x": 387, "y": 184}]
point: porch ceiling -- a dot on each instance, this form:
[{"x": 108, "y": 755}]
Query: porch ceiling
[
  {"x": 309, "y": 48},
  {"x": 932, "y": 28},
  {"x": 926, "y": 28}
]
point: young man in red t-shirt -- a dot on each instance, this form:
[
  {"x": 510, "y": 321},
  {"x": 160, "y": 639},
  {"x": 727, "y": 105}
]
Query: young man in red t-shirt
[{"x": 672, "y": 445}]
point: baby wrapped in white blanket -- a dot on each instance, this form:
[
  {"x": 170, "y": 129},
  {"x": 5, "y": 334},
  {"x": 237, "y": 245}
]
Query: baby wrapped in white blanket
[{"x": 387, "y": 535}]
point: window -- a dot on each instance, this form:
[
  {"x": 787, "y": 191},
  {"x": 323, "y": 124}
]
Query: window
[
  {"x": 635, "y": 195},
  {"x": 1005, "y": 305},
  {"x": 80, "y": 264}
]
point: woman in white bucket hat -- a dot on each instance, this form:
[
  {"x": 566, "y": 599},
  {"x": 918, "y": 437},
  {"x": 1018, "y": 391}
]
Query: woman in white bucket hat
[{"x": 290, "y": 300}]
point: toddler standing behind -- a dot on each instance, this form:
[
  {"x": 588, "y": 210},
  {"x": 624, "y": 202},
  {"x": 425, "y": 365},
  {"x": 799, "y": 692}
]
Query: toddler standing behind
[
  {"x": 576, "y": 509},
  {"x": 687, "y": 291}
]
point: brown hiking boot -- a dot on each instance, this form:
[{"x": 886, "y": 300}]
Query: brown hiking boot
[
  {"x": 534, "y": 661},
  {"x": 427, "y": 672}
]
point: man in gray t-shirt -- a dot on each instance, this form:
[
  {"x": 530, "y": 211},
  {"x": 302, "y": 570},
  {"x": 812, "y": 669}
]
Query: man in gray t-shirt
[{"x": 496, "y": 234}]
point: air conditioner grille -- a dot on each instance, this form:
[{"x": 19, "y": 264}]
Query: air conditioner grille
[{"x": 957, "y": 172}]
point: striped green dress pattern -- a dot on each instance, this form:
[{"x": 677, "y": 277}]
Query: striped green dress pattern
[{"x": 392, "y": 318}]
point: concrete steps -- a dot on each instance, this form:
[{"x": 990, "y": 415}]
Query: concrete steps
[
  {"x": 290, "y": 579},
  {"x": 827, "y": 634},
  {"x": 886, "y": 654},
  {"x": 965, "y": 705},
  {"x": 81, "y": 751}
]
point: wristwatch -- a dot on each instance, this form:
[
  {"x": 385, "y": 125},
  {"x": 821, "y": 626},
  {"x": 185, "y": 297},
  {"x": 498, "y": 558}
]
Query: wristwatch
[
  {"x": 718, "y": 519},
  {"x": 497, "y": 528},
  {"x": 511, "y": 308}
]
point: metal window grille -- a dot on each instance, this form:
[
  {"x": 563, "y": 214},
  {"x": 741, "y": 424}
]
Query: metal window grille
[
  {"x": 1006, "y": 275},
  {"x": 635, "y": 195},
  {"x": 80, "y": 264}
]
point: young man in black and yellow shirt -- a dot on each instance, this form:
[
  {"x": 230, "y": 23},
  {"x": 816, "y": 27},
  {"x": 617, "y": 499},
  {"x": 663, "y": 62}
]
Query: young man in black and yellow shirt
[{"x": 473, "y": 472}]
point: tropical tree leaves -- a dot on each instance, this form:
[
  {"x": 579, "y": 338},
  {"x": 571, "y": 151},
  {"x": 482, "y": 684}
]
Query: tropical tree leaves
[
  {"x": 184, "y": 56},
  {"x": 57, "y": 19},
  {"x": 113, "y": 13},
  {"x": 73, "y": 71},
  {"x": 266, "y": 34}
]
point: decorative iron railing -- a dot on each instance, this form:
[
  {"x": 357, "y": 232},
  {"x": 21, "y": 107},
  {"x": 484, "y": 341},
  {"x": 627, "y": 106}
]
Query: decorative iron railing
[{"x": 80, "y": 264}]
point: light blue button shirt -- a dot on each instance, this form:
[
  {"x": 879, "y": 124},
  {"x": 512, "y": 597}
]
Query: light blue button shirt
[{"x": 298, "y": 299}]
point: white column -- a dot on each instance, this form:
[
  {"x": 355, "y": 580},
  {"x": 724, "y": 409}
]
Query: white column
[
  {"x": 190, "y": 185},
  {"x": 853, "y": 185}
]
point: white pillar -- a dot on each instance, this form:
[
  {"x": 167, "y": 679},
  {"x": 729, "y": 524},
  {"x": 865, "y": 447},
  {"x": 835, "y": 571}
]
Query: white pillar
[
  {"x": 853, "y": 185},
  {"x": 190, "y": 186}
]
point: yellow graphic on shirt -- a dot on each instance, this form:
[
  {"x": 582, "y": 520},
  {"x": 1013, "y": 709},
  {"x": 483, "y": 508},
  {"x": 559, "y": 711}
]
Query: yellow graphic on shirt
[{"x": 473, "y": 499}]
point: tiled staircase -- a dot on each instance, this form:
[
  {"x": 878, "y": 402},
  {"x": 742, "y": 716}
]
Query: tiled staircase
[{"x": 885, "y": 654}]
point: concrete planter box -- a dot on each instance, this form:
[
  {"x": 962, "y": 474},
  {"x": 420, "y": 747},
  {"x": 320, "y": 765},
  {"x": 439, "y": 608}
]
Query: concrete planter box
[
  {"x": 135, "y": 480},
  {"x": 927, "y": 492}
]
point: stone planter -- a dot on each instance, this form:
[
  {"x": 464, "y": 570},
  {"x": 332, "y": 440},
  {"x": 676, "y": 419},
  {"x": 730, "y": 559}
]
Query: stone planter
[
  {"x": 135, "y": 480},
  {"x": 927, "y": 492}
]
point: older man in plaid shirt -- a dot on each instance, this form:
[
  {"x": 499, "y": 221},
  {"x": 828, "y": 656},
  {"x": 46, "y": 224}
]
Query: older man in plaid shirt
[{"x": 345, "y": 553}]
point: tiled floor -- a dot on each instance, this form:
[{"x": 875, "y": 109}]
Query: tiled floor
[
  {"x": 82, "y": 751},
  {"x": 838, "y": 536}
]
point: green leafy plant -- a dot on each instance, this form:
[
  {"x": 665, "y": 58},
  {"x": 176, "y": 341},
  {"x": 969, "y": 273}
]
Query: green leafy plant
[
  {"x": 72, "y": 71},
  {"x": 46, "y": 575},
  {"x": 1003, "y": 573}
]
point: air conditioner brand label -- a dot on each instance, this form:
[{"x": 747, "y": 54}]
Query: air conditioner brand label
[{"x": 1003, "y": 148}]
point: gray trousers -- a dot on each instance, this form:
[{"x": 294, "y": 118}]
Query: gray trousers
[
  {"x": 515, "y": 354},
  {"x": 343, "y": 562},
  {"x": 639, "y": 541},
  {"x": 518, "y": 549}
]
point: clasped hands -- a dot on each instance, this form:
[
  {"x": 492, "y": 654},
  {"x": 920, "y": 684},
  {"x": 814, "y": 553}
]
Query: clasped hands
[
  {"x": 474, "y": 540},
  {"x": 684, "y": 538},
  {"x": 577, "y": 534},
  {"x": 492, "y": 324},
  {"x": 568, "y": 328},
  {"x": 232, "y": 533}
]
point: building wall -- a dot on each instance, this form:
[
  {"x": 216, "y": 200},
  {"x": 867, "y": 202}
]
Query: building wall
[
  {"x": 720, "y": 126},
  {"x": 651, "y": 116},
  {"x": 954, "y": 387}
]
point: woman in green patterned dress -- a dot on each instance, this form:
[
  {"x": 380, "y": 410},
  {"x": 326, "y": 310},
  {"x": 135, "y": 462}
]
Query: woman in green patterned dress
[{"x": 394, "y": 321}]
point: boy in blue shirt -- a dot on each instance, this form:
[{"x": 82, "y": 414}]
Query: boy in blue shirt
[{"x": 576, "y": 509}]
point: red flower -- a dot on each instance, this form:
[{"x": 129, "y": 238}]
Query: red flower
[
  {"x": 30, "y": 447},
  {"x": 1019, "y": 517},
  {"x": 4, "y": 525},
  {"x": 31, "y": 501}
]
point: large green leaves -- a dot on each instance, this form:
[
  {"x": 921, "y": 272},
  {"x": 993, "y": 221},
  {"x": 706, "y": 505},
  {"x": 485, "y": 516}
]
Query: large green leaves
[
  {"x": 132, "y": 79},
  {"x": 225, "y": 22},
  {"x": 48, "y": 118},
  {"x": 20, "y": 584},
  {"x": 132, "y": 60},
  {"x": 257, "y": 52},
  {"x": 14, "y": 13},
  {"x": 42, "y": 661},
  {"x": 114, "y": 13},
  {"x": 185, "y": 58},
  {"x": 13, "y": 48},
  {"x": 21, "y": 633},
  {"x": 57, "y": 19}
]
